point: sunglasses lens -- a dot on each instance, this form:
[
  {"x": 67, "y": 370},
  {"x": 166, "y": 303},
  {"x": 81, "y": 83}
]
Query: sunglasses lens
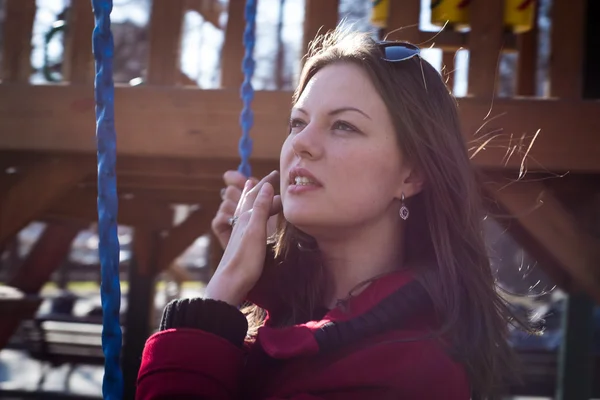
[{"x": 399, "y": 53}]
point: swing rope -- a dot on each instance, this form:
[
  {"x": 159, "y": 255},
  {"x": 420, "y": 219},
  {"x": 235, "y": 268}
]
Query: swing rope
[
  {"x": 247, "y": 92},
  {"x": 110, "y": 290}
]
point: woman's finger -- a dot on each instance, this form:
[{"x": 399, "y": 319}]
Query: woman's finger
[
  {"x": 262, "y": 206},
  {"x": 248, "y": 199},
  {"x": 232, "y": 193},
  {"x": 240, "y": 205},
  {"x": 276, "y": 206},
  {"x": 234, "y": 178}
]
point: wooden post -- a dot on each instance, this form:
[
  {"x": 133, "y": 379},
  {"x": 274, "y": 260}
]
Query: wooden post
[
  {"x": 78, "y": 66},
  {"x": 233, "y": 47},
  {"x": 485, "y": 45},
  {"x": 140, "y": 303},
  {"x": 18, "y": 26},
  {"x": 403, "y": 21},
  {"x": 166, "y": 24},
  {"x": 320, "y": 16},
  {"x": 567, "y": 44},
  {"x": 576, "y": 357},
  {"x": 591, "y": 77},
  {"x": 527, "y": 44}
]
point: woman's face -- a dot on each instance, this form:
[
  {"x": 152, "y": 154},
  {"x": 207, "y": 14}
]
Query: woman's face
[{"x": 341, "y": 166}]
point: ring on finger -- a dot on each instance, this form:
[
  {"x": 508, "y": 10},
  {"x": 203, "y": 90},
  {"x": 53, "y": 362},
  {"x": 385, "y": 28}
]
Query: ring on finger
[{"x": 232, "y": 220}]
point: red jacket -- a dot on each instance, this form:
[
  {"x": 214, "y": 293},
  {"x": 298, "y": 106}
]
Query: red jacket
[{"x": 310, "y": 361}]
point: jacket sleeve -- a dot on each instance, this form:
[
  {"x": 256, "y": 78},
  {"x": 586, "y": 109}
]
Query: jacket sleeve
[{"x": 198, "y": 354}]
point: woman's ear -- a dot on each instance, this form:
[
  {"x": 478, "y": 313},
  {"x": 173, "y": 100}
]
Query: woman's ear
[{"x": 412, "y": 185}]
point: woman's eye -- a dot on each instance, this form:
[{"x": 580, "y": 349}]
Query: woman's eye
[
  {"x": 343, "y": 126},
  {"x": 296, "y": 123}
]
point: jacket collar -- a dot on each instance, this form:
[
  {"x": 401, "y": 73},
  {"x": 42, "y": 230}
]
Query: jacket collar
[{"x": 299, "y": 340}]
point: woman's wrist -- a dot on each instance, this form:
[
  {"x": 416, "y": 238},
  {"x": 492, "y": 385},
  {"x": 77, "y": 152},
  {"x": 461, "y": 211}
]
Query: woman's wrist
[{"x": 227, "y": 289}]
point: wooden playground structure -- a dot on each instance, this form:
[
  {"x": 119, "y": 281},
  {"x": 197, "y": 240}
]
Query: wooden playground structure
[{"x": 176, "y": 140}]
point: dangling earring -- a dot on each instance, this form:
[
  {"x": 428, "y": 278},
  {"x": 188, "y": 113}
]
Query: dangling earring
[{"x": 403, "y": 209}]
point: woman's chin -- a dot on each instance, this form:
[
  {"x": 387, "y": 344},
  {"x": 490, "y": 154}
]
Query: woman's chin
[{"x": 302, "y": 219}]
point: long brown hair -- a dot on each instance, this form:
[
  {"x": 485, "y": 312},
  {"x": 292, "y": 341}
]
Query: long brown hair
[{"x": 444, "y": 234}]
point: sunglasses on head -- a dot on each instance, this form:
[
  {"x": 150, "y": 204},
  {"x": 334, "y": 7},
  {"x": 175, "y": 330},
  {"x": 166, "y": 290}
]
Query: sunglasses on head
[{"x": 398, "y": 51}]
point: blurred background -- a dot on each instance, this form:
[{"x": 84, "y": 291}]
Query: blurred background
[{"x": 54, "y": 348}]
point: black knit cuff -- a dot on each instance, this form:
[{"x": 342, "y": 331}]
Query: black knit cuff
[{"x": 213, "y": 316}]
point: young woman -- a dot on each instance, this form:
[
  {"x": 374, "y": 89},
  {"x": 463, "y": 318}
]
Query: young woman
[{"x": 376, "y": 284}]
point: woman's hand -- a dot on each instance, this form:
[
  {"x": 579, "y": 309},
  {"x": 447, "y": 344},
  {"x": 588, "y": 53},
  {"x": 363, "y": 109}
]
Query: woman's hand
[
  {"x": 244, "y": 257},
  {"x": 230, "y": 196}
]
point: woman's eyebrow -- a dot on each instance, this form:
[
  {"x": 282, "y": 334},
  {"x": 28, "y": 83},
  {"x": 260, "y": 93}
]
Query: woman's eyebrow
[{"x": 337, "y": 111}]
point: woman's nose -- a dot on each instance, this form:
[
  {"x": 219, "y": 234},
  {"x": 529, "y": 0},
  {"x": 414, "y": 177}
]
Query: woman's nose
[{"x": 307, "y": 143}]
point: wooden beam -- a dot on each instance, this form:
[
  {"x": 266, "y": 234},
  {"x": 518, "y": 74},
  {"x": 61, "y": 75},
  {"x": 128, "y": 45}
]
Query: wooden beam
[
  {"x": 181, "y": 237},
  {"x": 18, "y": 27},
  {"x": 403, "y": 20},
  {"x": 81, "y": 204},
  {"x": 50, "y": 250},
  {"x": 547, "y": 231},
  {"x": 233, "y": 47},
  {"x": 203, "y": 124},
  {"x": 210, "y": 10},
  {"x": 455, "y": 40},
  {"x": 78, "y": 65},
  {"x": 485, "y": 45},
  {"x": 566, "y": 48},
  {"x": 36, "y": 191},
  {"x": 161, "y": 167},
  {"x": 320, "y": 16},
  {"x": 166, "y": 23}
]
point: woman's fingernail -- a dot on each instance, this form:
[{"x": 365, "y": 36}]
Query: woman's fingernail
[{"x": 248, "y": 184}]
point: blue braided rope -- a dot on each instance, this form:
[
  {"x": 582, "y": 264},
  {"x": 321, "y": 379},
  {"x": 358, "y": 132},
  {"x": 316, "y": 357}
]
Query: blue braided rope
[
  {"x": 247, "y": 92},
  {"x": 110, "y": 290}
]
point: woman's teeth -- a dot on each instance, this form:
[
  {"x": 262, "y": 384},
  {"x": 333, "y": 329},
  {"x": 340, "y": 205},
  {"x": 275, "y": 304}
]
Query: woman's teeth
[{"x": 300, "y": 180}]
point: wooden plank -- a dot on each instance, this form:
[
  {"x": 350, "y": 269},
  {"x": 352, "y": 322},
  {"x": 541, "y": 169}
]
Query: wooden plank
[
  {"x": 204, "y": 124},
  {"x": 80, "y": 204},
  {"x": 179, "y": 238},
  {"x": 36, "y": 191},
  {"x": 566, "y": 48},
  {"x": 403, "y": 21},
  {"x": 485, "y": 44},
  {"x": 527, "y": 45},
  {"x": 547, "y": 231},
  {"x": 233, "y": 47},
  {"x": 527, "y": 64},
  {"x": 18, "y": 27},
  {"x": 166, "y": 23},
  {"x": 320, "y": 16},
  {"x": 78, "y": 65}
]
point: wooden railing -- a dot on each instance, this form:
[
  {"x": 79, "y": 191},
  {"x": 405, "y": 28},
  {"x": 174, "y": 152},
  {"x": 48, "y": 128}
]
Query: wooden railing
[{"x": 485, "y": 40}]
